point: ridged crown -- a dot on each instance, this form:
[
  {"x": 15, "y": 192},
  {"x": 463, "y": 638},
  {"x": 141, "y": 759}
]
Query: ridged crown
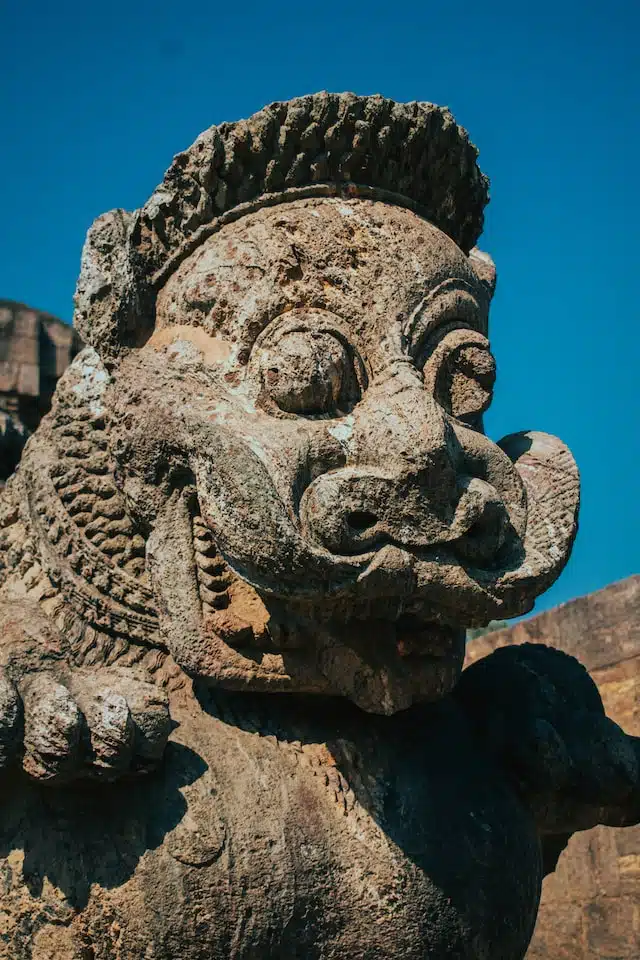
[{"x": 412, "y": 154}]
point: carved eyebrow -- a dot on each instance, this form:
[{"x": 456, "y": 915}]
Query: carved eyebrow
[
  {"x": 453, "y": 299},
  {"x": 297, "y": 319}
]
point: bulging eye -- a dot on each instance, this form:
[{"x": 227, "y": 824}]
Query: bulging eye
[
  {"x": 309, "y": 373},
  {"x": 461, "y": 373}
]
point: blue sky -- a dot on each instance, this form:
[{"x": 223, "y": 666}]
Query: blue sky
[{"x": 96, "y": 99}]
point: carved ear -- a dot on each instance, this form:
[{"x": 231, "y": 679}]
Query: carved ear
[
  {"x": 550, "y": 476},
  {"x": 106, "y": 297},
  {"x": 485, "y": 269}
]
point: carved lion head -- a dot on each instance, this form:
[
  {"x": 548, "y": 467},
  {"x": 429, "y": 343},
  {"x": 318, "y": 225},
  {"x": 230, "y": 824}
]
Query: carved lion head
[{"x": 295, "y": 328}]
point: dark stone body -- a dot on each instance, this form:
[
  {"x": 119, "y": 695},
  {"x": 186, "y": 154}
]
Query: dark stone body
[{"x": 279, "y": 830}]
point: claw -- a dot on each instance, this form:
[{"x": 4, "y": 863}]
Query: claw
[
  {"x": 109, "y": 730},
  {"x": 149, "y": 708},
  {"x": 52, "y": 729},
  {"x": 127, "y": 730},
  {"x": 87, "y": 727}
]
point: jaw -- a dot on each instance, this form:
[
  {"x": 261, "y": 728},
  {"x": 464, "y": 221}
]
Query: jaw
[
  {"x": 385, "y": 629},
  {"x": 371, "y": 651}
]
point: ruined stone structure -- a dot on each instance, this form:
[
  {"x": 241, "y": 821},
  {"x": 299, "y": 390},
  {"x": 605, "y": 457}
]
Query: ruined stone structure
[
  {"x": 35, "y": 349},
  {"x": 241, "y": 553},
  {"x": 590, "y": 905}
]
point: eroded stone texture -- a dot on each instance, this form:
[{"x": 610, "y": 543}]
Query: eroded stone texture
[
  {"x": 590, "y": 905},
  {"x": 256, "y": 524}
]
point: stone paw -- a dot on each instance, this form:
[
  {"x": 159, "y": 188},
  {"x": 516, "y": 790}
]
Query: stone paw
[
  {"x": 539, "y": 713},
  {"x": 104, "y": 724}
]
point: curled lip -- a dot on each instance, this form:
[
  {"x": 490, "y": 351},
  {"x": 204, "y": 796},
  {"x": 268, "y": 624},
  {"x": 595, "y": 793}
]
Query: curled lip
[
  {"x": 386, "y": 554},
  {"x": 396, "y": 557}
]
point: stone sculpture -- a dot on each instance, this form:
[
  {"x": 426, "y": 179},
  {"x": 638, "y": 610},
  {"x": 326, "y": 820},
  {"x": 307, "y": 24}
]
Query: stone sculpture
[{"x": 257, "y": 521}]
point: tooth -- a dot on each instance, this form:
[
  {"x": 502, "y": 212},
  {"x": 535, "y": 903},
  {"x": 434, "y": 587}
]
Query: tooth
[
  {"x": 215, "y": 566},
  {"x": 214, "y": 583},
  {"x": 205, "y": 544},
  {"x": 216, "y": 600},
  {"x": 171, "y": 561}
]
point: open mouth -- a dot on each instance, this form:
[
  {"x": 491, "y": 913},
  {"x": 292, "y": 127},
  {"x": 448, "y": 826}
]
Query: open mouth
[
  {"x": 234, "y": 612},
  {"x": 366, "y": 645},
  {"x": 418, "y": 638}
]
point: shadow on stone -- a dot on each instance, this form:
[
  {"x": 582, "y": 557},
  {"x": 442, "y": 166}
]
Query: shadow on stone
[
  {"x": 91, "y": 833},
  {"x": 409, "y": 772}
]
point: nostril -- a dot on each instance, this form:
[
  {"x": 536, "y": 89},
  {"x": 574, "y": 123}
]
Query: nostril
[{"x": 360, "y": 520}]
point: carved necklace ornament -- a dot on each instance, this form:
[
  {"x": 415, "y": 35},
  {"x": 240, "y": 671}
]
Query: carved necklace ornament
[{"x": 256, "y": 524}]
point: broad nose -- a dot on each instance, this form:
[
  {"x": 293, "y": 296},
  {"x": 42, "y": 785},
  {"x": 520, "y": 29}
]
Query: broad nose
[{"x": 399, "y": 482}]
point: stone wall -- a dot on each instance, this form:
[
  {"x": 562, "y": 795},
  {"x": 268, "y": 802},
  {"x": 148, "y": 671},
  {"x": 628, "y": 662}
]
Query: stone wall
[
  {"x": 591, "y": 904},
  {"x": 35, "y": 349}
]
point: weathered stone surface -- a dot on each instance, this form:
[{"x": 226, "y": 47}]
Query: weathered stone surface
[
  {"x": 242, "y": 551},
  {"x": 590, "y": 905}
]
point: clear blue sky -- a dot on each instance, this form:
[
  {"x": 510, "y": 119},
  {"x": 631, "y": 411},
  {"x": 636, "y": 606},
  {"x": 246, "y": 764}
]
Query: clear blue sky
[{"x": 96, "y": 99}]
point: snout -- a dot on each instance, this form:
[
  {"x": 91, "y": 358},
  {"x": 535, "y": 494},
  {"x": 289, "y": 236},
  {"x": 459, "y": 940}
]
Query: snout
[
  {"x": 407, "y": 481},
  {"x": 355, "y": 510}
]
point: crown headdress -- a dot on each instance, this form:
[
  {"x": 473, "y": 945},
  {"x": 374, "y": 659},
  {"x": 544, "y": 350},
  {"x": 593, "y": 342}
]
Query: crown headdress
[{"x": 411, "y": 154}]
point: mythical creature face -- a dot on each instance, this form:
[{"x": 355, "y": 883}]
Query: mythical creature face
[{"x": 302, "y": 435}]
